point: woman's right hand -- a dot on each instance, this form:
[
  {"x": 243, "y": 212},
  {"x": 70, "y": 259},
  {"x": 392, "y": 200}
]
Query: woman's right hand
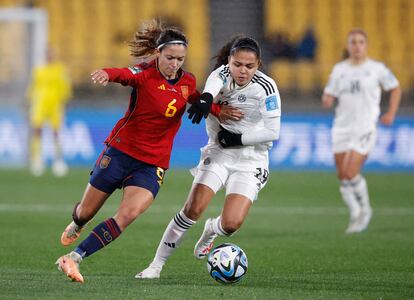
[
  {"x": 228, "y": 112},
  {"x": 327, "y": 100},
  {"x": 100, "y": 76}
]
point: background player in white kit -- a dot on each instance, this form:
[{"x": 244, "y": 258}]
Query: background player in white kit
[
  {"x": 236, "y": 156},
  {"x": 356, "y": 83}
]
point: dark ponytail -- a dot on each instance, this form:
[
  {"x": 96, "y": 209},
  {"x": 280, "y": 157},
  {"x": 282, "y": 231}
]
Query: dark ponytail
[
  {"x": 223, "y": 54},
  {"x": 236, "y": 43}
]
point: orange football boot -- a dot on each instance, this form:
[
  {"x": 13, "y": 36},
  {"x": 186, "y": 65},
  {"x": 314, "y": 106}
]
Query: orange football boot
[
  {"x": 71, "y": 233},
  {"x": 70, "y": 267}
]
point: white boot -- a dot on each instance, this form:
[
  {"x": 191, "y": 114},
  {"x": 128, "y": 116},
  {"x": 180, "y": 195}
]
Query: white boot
[
  {"x": 60, "y": 168},
  {"x": 353, "y": 205},
  {"x": 37, "y": 167},
  {"x": 360, "y": 188},
  {"x": 364, "y": 219},
  {"x": 152, "y": 272},
  {"x": 204, "y": 245}
]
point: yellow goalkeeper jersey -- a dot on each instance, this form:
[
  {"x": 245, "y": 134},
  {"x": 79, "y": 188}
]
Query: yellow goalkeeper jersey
[
  {"x": 48, "y": 93},
  {"x": 50, "y": 85}
]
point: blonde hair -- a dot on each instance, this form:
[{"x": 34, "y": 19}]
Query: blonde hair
[{"x": 358, "y": 31}]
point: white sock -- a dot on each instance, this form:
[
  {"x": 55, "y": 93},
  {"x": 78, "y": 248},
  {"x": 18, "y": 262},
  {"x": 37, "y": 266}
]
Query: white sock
[
  {"x": 360, "y": 189},
  {"x": 218, "y": 229},
  {"x": 173, "y": 235},
  {"x": 349, "y": 198}
]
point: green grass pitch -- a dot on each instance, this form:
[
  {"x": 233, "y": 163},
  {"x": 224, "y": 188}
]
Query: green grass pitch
[{"x": 293, "y": 237}]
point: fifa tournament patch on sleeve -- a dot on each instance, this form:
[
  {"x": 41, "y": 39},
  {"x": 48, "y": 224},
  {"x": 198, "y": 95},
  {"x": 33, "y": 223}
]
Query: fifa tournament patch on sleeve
[
  {"x": 391, "y": 77},
  {"x": 271, "y": 103},
  {"x": 135, "y": 70}
]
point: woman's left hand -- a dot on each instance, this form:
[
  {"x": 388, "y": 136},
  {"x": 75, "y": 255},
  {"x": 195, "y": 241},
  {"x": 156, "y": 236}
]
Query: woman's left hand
[{"x": 387, "y": 118}]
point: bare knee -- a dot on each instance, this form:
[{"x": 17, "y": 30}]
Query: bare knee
[
  {"x": 91, "y": 202},
  {"x": 231, "y": 226},
  {"x": 124, "y": 218},
  {"x": 346, "y": 174},
  {"x": 349, "y": 174},
  {"x": 343, "y": 177},
  {"x": 342, "y": 173},
  {"x": 84, "y": 214},
  {"x": 193, "y": 211},
  {"x": 197, "y": 201}
]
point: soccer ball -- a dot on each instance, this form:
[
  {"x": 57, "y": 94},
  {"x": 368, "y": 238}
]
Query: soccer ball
[{"x": 227, "y": 263}]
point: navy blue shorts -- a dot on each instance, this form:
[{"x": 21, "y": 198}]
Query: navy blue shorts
[{"x": 115, "y": 169}]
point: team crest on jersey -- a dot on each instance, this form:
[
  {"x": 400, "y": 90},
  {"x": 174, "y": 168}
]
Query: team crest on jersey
[
  {"x": 135, "y": 70},
  {"x": 241, "y": 98},
  {"x": 184, "y": 91},
  {"x": 104, "y": 163},
  {"x": 271, "y": 103}
]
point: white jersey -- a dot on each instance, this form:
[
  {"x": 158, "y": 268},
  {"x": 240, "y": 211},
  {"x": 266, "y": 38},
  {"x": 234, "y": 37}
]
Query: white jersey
[
  {"x": 358, "y": 90},
  {"x": 258, "y": 100}
]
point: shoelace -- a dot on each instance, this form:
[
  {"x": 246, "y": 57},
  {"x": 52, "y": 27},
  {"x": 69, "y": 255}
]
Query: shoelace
[{"x": 74, "y": 231}]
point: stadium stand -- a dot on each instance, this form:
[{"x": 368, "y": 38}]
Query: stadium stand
[
  {"x": 389, "y": 24},
  {"x": 9, "y": 71},
  {"x": 91, "y": 34}
]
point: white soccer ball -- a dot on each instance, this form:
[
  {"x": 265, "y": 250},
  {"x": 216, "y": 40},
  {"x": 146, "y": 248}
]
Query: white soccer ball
[{"x": 227, "y": 263}]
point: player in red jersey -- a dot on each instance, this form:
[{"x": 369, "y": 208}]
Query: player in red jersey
[{"x": 138, "y": 150}]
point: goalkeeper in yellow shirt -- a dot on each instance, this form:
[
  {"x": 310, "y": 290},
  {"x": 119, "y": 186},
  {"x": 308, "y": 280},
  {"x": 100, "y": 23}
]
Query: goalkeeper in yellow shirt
[{"x": 48, "y": 93}]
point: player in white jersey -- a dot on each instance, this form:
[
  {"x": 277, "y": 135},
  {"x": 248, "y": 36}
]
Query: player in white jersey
[
  {"x": 236, "y": 156},
  {"x": 356, "y": 83}
]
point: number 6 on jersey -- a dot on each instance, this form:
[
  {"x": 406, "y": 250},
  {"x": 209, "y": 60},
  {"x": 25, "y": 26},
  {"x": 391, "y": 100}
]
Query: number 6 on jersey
[{"x": 171, "y": 109}]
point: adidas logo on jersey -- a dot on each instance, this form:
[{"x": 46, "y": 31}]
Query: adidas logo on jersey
[
  {"x": 162, "y": 87},
  {"x": 171, "y": 245}
]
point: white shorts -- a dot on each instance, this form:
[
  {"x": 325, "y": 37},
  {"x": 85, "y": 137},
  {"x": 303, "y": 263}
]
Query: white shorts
[
  {"x": 361, "y": 143},
  {"x": 246, "y": 178}
]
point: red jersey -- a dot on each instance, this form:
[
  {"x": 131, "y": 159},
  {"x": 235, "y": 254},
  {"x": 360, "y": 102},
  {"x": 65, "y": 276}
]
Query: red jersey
[{"x": 147, "y": 130}]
